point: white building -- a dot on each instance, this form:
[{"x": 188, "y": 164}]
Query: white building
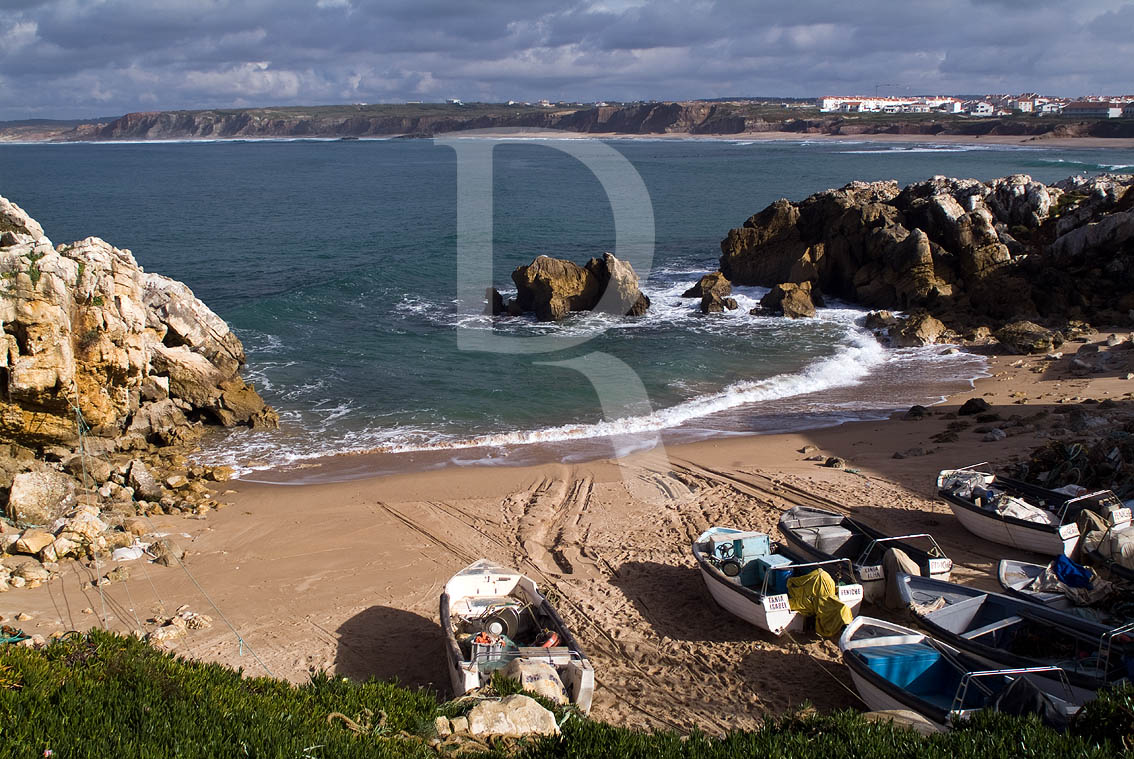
[
  {"x": 1093, "y": 109},
  {"x": 980, "y": 108}
]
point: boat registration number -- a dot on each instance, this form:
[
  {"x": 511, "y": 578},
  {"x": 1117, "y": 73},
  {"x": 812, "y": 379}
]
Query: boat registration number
[
  {"x": 873, "y": 572},
  {"x": 1069, "y": 531},
  {"x": 774, "y": 604},
  {"x": 940, "y": 566},
  {"x": 850, "y": 594},
  {"x": 1119, "y": 517}
]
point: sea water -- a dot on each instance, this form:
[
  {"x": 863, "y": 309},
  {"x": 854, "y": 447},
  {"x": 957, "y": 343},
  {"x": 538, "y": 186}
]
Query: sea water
[{"x": 335, "y": 263}]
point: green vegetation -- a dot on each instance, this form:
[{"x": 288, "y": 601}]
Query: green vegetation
[
  {"x": 33, "y": 267},
  {"x": 101, "y": 695}
]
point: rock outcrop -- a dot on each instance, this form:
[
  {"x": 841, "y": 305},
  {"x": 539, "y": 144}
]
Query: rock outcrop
[
  {"x": 84, "y": 327},
  {"x": 713, "y": 283},
  {"x": 789, "y": 299},
  {"x": 552, "y": 288},
  {"x": 106, "y": 372},
  {"x": 967, "y": 252}
]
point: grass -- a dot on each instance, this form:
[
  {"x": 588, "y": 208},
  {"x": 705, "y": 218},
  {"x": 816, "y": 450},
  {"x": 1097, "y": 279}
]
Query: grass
[{"x": 102, "y": 695}]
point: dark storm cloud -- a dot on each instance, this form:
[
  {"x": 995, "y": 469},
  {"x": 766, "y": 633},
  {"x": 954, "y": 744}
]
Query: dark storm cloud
[{"x": 67, "y": 58}]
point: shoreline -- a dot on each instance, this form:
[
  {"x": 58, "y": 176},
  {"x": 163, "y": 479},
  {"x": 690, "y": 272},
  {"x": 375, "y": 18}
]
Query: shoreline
[
  {"x": 1023, "y": 141},
  {"x": 345, "y": 576}
]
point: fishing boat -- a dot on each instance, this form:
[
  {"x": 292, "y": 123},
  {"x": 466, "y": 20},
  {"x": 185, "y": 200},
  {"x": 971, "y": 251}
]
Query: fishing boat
[
  {"x": 1006, "y": 631},
  {"x": 1101, "y": 601},
  {"x": 1011, "y": 512},
  {"x": 493, "y": 616},
  {"x": 747, "y": 574},
  {"x": 822, "y": 535},
  {"x": 894, "y": 667}
]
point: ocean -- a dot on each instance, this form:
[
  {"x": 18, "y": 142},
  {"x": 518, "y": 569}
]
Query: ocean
[{"x": 335, "y": 263}]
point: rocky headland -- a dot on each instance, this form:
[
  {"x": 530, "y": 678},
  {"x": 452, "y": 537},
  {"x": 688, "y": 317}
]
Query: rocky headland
[
  {"x": 108, "y": 375},
  {"x": 695, "y": 117},
  {"x": 1027, "y": 262}
]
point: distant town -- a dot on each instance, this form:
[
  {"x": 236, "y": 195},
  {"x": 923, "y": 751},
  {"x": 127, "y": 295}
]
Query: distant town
[{"x": 990, "y": 106}]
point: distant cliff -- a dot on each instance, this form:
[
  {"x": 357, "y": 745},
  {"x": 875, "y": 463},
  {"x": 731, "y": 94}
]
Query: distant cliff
[{"x": 428, "y": 119}]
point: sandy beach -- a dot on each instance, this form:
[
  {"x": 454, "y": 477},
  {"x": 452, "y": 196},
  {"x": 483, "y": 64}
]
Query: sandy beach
[{"x": 345, "y": 576}]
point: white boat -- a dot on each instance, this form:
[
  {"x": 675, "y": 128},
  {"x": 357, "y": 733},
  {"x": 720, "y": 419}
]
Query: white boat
[
  {"x": 492, "y": 616},
  {"x": 746, "y": 574},
  {"x": 894, "y": 667},
  {"x": 822, "y": 535},
  {"x": 1011, "y": 512}
]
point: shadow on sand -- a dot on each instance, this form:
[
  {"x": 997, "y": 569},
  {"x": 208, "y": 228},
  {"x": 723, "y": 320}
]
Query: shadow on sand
[{"x": 392, "y": 644}]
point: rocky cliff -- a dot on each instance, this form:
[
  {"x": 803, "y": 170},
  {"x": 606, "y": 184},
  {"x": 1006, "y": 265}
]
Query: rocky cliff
[
  {"x": 105, "y": 369},
  {"x": 968, "y": 252},
  {"x": 694, "y": 117},
  {"x": 552, "y": 288}
]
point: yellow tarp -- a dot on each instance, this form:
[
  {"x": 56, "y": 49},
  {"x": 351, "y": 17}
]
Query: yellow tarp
[{"x": 814, "y": 594}]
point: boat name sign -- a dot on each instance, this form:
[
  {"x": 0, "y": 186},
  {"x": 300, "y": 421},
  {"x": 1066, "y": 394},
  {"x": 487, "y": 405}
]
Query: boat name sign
[
  {"x": 1120, "y": 517},
  {"x": 1069, "y": 530},
  {"x": 850, "y": 594},
  {"x": 773, "y": 604},
  {"x": 872, "y": 572},
  {"x": 940, "y": 566}
]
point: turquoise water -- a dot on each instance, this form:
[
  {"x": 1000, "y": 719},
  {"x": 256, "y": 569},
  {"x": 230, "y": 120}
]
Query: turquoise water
[{"x": 335, "y": 263}]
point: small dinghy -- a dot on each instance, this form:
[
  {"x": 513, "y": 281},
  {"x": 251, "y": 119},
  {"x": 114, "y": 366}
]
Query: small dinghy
[
  {"x": 1011, "y": 512},
  {"x": 751, "y": 577},
  {"x": 825, "y": 535},
  {"x": 496, "y": 618},
  {"x": 894, "y": 667},
  {"x": 1066, "y": 586},
  {"x": 1011, "y": 632}
]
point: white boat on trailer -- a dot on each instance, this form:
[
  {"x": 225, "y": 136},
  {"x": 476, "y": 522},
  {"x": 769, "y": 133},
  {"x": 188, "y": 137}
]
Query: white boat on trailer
[
  {"x": 746, "y": 574},
  {"x": 894, "y": 667},
  {"x": 1011, "y": 512},
  {"x": 823, "y": 535},
  {"x": 492, "y": 616}
]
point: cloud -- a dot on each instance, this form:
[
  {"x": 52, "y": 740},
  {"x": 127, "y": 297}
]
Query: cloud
[{"x": 72, "y": 58}]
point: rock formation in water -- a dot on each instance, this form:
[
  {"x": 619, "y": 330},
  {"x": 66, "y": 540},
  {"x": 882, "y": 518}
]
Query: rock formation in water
[
  {"x": 971, "y": 254},
  {"x": 91, "y": 340},
  {"x": 552, "y": 288}
]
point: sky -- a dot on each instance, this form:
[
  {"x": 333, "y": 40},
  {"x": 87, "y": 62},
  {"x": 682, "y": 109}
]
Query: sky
[{"x": 87, "y": 58}]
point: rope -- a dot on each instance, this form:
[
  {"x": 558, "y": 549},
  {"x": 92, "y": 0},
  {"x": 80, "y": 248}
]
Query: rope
[
  {"x": 242, "y": 644},
  {"x": 831, "y": 674},
  {"x": 81, "y": 425}
]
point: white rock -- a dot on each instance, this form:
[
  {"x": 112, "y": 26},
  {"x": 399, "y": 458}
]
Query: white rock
[
  {"x": 513, "y": 715},
  {"x": 539, "y": 677}
]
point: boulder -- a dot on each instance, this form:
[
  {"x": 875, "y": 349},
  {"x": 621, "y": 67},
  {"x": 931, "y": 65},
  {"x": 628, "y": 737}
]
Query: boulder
[
  {"x": 710, "y": 283},
  {"x": 160, "y": 422},
  {"x": 712, "y": 303},
  {"x": 620, "y": 294},
  {"x": 40, "y": 497},
  {"x": 973, "y": 406},
  {"x": 1028, "y": 337},
  {"x": 553, "y": 288},
  {"x": 15, "y": 220},
  {"x": 917, "y": 330},
  {"x": 792, "y": 300},
  {"x": 538, "y": 677},
  {"x": 166, "y": 552},
  {"x": 142, "y": 480},
  {"x": 33, "y": 541},
  {"x": 879, "y": 320},
  {"x": 495, "y": 302},
  {"x": 513, "y": 715}
]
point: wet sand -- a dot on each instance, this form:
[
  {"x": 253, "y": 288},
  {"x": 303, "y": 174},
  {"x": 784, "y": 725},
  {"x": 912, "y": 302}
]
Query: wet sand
[{"x": 346, "y": 575}]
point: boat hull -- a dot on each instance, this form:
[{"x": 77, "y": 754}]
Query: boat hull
[
  {"x": 741, "y": 605},
  {"x": 1038, "y": 538}
]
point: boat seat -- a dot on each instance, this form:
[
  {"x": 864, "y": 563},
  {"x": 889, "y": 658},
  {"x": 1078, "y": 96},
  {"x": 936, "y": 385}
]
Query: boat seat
[
  {"x": 555, "y": 655},
  {"x": 993, "y": 627},
  {"x": 916, "y": 667}
]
